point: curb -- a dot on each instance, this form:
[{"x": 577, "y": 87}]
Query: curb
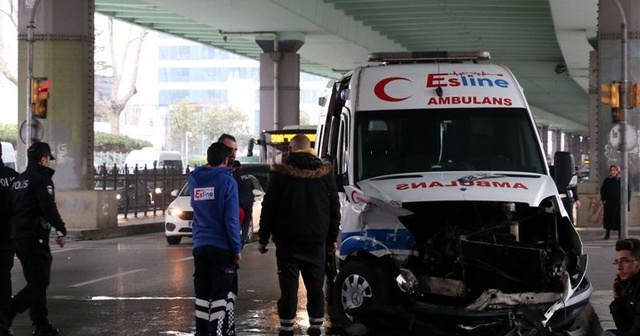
[{"x": 114, "y": 232}]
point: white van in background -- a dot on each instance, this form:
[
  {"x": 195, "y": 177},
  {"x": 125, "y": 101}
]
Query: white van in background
[
  {"x": 8, "y": 155},
  {"x": 151, "y": 158}
]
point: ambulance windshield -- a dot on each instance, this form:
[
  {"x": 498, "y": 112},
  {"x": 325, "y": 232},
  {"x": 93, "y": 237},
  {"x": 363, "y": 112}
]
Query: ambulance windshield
[{"x": 478, "y": 139}]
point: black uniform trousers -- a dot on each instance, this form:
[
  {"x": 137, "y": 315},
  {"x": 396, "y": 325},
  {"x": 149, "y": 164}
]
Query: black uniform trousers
[
  {"x": 216, "y": 285},
  {"x": 308, "y": 260},
  {"x": 35, "y": 257},
  {"x": 7, "y": 254},
  {"x": 246, "y": 223}
]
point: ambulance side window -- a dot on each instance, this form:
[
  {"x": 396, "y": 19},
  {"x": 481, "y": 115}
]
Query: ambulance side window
[{"x": 342, "y": 152}]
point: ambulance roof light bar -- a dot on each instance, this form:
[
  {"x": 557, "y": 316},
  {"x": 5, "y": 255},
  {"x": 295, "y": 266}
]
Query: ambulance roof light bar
[{"x": 429, "y": 56}]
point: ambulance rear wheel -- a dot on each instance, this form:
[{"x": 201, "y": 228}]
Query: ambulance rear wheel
[{"x": 360, "y": 284}]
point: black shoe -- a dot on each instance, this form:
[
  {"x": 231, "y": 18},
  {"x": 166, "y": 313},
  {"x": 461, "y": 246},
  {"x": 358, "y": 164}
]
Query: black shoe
[
  {"x": 285, "y": 333},
  {"x": 45, "y": 330},
  {"x": 314, "y": 331},
  {"x": 5, "y": 324}
]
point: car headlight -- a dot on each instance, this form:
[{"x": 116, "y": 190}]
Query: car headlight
[{"x": 174, "y": 212}]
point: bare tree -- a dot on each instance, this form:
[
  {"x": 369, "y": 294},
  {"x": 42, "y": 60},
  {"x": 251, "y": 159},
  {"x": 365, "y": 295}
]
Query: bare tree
[
  {"x": 122, "y": 93},
  {"x": 11, "y": 12}
]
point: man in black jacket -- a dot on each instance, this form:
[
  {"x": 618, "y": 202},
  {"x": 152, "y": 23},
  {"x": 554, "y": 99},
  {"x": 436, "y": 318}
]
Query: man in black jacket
[
  {"x": 34, "y": 213},
  {"x": 6, "y": 246},
  {"x": 301, "y": 213},
  {"x": 626, "y": 288}
]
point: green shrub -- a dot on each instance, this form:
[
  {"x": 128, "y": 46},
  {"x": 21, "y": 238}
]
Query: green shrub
[
  {"x": 105, "y": 142},
  {"x": 9, "y": 133}
]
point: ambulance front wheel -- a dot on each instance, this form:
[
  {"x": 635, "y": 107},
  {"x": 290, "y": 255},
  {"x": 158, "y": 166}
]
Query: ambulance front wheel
[{"x": 360, "y": 284}]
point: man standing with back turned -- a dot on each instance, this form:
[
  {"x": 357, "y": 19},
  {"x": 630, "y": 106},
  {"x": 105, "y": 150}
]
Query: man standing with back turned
[
  {"x": 216, "y": 243},
  {"x": 34, "y": 213},
  {"x": 301, "y": 213}
]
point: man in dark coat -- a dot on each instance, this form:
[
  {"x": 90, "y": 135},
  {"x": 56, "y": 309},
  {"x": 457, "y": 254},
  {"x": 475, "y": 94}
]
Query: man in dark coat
[
  {"x": 301, "y": 213},
  {"x": 34, "y": 213},
  {"x": 610, "y": 196},
  {"x": 6, "y": 246},
  {"x": 626, "y": 288}
]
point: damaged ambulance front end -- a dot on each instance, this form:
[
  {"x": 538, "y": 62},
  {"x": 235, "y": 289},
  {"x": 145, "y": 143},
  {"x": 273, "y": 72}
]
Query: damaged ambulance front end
[{"x": 482, "y": 254}]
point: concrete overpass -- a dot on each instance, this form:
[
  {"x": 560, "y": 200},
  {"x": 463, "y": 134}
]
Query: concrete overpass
[{"x": 545, "y": 43}]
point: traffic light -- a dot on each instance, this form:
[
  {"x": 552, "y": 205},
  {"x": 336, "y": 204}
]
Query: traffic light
[
  {"x": 616, "y": 115},
  {"x": 612, "y": 94},
  {"x": 634, "y": 95},
  {"x": 39, "y": 96}
]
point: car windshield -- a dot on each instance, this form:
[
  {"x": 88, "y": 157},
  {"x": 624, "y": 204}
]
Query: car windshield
[{"x": 395, "y": 142}]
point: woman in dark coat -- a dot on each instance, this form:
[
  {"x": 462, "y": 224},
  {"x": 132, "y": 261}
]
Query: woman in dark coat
[{"x": 610, "y": 196}]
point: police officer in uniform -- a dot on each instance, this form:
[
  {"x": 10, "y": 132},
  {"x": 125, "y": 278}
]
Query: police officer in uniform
[
  {"x": 6, "y": 246},
  {"x": 245, "y": 198},
  {"x": 34, "y": 213}
]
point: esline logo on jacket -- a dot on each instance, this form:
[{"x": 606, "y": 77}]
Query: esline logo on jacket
[{"x": 203, "y": 194}]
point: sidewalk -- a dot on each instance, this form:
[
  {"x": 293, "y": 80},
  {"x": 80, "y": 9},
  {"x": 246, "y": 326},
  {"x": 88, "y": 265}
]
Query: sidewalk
[{"x": 126, "y": 227}]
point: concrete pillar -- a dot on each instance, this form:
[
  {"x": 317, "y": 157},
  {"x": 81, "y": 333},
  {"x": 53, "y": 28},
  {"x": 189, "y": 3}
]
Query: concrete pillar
[
  {"x": 557, "y": 140},
  {"x": 609, "y": 70},
  {"x": 63, "y": 52},
  {"x": 279, "y": 79},
  {"x": 544, "y": 137}
]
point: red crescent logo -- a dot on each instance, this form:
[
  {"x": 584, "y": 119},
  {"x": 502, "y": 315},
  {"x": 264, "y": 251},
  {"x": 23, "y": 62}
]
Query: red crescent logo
[{"x": 380, "y": 93}]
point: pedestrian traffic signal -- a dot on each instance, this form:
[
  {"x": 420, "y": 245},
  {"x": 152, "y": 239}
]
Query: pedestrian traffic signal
[
  {"x": 39, "y": 96},
  {"x": 612, "y": 94},
  {"x": 616, "y": 115},
  {"x": 634, "y": 95}
]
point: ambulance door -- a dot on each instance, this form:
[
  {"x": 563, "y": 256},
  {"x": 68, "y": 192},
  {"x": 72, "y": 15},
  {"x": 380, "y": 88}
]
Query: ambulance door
[{"x": 333, "y": 133}]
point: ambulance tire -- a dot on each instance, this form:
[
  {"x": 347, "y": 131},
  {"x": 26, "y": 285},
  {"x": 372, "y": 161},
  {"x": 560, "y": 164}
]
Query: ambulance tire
[{"x": 360, "y": 283}]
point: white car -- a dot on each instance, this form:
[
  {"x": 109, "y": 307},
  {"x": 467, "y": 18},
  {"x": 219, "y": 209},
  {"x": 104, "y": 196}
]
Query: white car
[{"x": 179, "y": 215}]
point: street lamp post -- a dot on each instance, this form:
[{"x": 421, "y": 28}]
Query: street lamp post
[
  {"x": 187, "y": 135},
  {"x": 624, "y": 106}
]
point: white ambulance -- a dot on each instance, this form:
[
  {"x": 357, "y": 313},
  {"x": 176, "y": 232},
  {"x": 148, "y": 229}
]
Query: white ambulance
[{"x": 451, "y": 219}]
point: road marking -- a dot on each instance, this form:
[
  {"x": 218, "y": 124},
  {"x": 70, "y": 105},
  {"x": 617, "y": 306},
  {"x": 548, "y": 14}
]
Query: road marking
[
  {"x": 107, "y": 278},
  {"x": 121, "y": 298},
  {"x": 67, "y": 249},
  {"x": 183, "y": 259}
]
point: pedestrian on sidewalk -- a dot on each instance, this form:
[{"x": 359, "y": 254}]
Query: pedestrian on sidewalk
[
  {"x": 216, "y": 243},
  {"x": 7, "y": 251},
  {"x": 610, "y": 196},
  {"x": 301, "y": 214},
  {"x": 34, "y": 213},
  {"x": 626, "y": 288}
]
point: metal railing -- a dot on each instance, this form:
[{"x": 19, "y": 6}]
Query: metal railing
[{"x": 143, "y": 190}]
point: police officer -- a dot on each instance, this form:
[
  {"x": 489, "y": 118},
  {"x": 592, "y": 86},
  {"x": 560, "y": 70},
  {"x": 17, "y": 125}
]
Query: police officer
[
  {"x": 34, "y": 213},
  {"x": 6, "y": 247},
  {"x": 245, "y": 198}
]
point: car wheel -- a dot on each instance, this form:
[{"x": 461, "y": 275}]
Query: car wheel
[
  {"x": 359, "y": 284},
  {"x": 173, "y": 240}
]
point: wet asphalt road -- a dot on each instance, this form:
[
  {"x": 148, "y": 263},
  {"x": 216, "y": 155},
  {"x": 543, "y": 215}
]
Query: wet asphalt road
[{"x": 139, "y": 285}]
